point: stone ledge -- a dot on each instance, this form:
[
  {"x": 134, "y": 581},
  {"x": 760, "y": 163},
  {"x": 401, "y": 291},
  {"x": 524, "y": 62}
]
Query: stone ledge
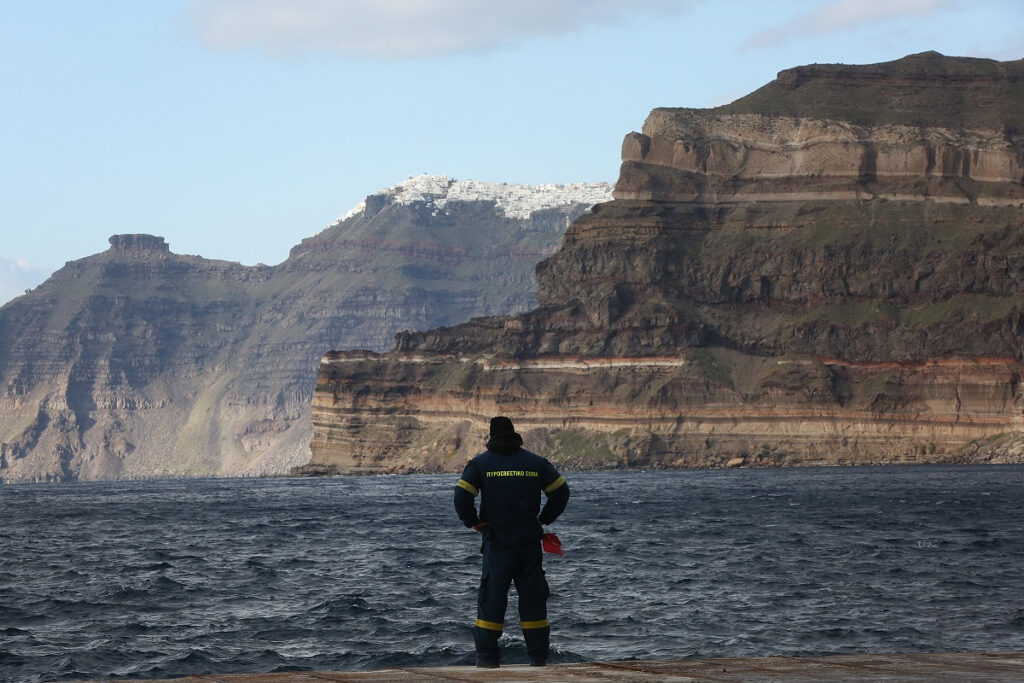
[{"x": 952, "y": 666}]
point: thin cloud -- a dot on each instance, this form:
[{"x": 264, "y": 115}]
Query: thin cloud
[
  {"x": 1009, "y": 48},
  {"x": 842, "y": 15},
  {"x": 18, "y": 275},
  {"x": 403, "y": 29}
]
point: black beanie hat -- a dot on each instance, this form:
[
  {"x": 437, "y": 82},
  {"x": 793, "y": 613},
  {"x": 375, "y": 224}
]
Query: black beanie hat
[{"x": 501, "y": 425}]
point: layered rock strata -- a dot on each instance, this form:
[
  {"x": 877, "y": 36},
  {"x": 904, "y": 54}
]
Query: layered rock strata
[
  {"x": 139, "y": 362},
  {"x": 827, "y": 271}
]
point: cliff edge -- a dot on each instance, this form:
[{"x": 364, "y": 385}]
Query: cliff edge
[
  {"x": 827, "y": 271},
  {"x": 140, "y": 362}
]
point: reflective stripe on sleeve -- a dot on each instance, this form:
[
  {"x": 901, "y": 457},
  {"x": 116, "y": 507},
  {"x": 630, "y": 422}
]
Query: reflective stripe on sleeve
[
  {"x": 489, "y": 625},
  {"x": 463, "y": 484},
  {"x": 554, "y": 485},
  {"x": 540, "y": 623}
]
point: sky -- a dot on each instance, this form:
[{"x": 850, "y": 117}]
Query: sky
[{"x": 235, "y": 128}]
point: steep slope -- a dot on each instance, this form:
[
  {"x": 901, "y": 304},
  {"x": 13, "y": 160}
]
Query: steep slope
[
  {"x": 138, "y": 362},
  {"x": 828, "y": 270}
]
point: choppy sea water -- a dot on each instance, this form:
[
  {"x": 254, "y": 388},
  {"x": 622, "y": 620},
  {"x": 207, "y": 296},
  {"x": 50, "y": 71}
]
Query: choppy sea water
[{"x": 163, "y": 579}]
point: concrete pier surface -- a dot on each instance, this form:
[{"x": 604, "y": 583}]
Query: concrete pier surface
[{"x": 947, "y": 666}]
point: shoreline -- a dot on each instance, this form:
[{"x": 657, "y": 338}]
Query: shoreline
[{"x": 654, "y": 467}]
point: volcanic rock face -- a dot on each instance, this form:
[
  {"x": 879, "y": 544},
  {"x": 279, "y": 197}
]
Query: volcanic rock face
[
  {"x": 829, "y": 270},
  {"x": 138, "y": 362}
]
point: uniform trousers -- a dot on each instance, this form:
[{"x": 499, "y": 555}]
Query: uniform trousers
[{"x": 520, "y": 563}]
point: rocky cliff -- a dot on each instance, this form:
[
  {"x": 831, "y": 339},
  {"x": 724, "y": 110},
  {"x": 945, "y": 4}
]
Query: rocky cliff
[
  {"x": 139, "y": 362},
  {"x": 829, "y": 270}
]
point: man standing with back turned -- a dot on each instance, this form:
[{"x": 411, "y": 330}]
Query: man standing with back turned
[{"x": 510, "y": 479}]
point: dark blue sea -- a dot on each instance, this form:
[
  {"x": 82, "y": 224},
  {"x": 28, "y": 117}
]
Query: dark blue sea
[{"x": 170, "y": 578}]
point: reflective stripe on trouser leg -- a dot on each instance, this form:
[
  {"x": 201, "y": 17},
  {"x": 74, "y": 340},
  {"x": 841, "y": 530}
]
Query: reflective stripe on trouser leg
[{"x": 490, "y": 625}]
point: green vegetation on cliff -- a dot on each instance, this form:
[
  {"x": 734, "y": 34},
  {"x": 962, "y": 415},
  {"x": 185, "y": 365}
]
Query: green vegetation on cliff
[{"x": 925, "y": 89}]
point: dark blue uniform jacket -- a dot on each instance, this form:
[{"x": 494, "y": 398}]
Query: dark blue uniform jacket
[{"x": 510, "y": 482}]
